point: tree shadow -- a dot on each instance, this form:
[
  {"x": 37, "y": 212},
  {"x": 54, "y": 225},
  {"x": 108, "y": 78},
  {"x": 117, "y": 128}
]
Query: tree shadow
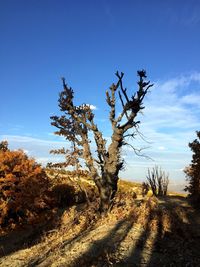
[
  {"x": 102, "y": 251},
  {"x": 107, "y": 245},
  {"x": 38, "y": 259},
  {"x": 30, "y": 232},
  {"x": 28, "y": 235},
  {"x": 134, "y": 257},
  {"x": 179, "y": 246},
  {"x": 169, "y": 243},
  {"x": 159, "y": 243}
]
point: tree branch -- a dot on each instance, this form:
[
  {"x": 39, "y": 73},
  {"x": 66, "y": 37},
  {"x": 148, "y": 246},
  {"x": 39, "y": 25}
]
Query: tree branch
[{"x": 137, "y": 151}]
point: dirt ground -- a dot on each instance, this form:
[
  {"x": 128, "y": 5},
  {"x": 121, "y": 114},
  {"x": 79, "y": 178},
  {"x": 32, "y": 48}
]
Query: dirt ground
[{"x": 164, "y": 232}]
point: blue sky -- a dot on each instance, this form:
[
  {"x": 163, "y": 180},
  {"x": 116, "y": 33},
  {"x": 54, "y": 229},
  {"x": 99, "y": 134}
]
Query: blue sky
[{"x": 86, "y": 42}]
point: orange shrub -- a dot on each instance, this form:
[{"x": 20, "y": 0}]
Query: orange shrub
[{"x": 23, "y": 187}]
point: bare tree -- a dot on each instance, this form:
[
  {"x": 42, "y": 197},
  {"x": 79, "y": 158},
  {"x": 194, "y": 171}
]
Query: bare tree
[
  {"x": 77, "y": 121},
  {"x": 158, "y": 181}
]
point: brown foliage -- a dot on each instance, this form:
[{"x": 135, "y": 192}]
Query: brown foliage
[{"x": 23, "y": 187}]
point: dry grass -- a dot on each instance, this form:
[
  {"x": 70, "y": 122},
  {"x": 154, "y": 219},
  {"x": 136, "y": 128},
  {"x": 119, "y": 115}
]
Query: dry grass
[
  {"x": 144, "y": 223},
  {"x": 150, "y": 220}
]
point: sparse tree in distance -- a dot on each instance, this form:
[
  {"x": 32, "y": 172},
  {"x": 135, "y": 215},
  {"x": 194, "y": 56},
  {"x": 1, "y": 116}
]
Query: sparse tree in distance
[
  {"x": 193, "y": 171},
  {"x": 77, "y": 121},
  {"x": 158, "y": 181}
]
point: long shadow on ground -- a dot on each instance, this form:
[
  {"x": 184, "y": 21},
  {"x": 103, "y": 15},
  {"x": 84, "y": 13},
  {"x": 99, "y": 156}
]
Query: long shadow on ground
[
  {"x": 27, "y": 236},
  {"x": 107, "y": 245},
  {"x": 177, "y": 247},
  {"x": 156, "y": 246},
  {"x": 174, "y": 246}
]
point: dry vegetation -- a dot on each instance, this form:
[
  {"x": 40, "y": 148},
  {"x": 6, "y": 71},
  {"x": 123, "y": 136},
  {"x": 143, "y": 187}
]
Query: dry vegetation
[
  {"x": 23, "y": 190},
  {"x": 138, "y": 231},
  {"x": 53, "y": 217}
]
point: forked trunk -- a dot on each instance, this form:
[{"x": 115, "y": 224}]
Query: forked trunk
[{"x": 107, "y": 191}]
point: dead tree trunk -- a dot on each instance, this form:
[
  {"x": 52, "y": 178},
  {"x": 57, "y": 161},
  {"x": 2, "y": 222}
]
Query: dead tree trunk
[{"x": 77, "y": 121}]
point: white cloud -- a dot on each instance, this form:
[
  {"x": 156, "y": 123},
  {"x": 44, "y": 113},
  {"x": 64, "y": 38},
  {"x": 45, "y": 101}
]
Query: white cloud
[
  {"x": 45, "y": 160},
  {"x": 19, "y": 139},
  {"x": 191, "y": 99},
  {"x": 161, "y": 148},
  {"x": 92, "y": 107},
  {"x": 165, "y": 106},
  {"x": 195, "y": 76},
  {"x": 169, "y": 124},
  {"x": 35, "y": 147},
  {"x": 26, "y": 151}
]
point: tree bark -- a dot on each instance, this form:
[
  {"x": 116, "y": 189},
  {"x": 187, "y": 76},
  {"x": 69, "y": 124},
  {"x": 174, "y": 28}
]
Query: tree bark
[{"x": 107, "y": 192}]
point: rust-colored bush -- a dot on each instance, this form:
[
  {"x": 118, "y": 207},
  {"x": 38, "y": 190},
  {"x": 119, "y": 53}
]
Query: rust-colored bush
[{"x": 23, "y": 187}]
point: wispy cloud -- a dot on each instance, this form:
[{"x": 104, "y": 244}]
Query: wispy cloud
[
  {"x": 191, "y": 99},
  {"x": 37, "y": 148},
  {"x": 188, "y": 14},
  {"x": 161, "y": 148},
  {"x": 18, "y": 139},
  {"x": 170, "y": 120}
]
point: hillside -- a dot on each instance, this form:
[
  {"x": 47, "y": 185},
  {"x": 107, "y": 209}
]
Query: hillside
[{"x": 142, "y": 231}]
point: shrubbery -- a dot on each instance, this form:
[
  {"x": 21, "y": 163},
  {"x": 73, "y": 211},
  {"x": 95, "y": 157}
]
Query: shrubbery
[
  {"x": 27, "y": 192},
  {"x": 193, "y": 172},
  {"x": 23, "y": 187}
]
